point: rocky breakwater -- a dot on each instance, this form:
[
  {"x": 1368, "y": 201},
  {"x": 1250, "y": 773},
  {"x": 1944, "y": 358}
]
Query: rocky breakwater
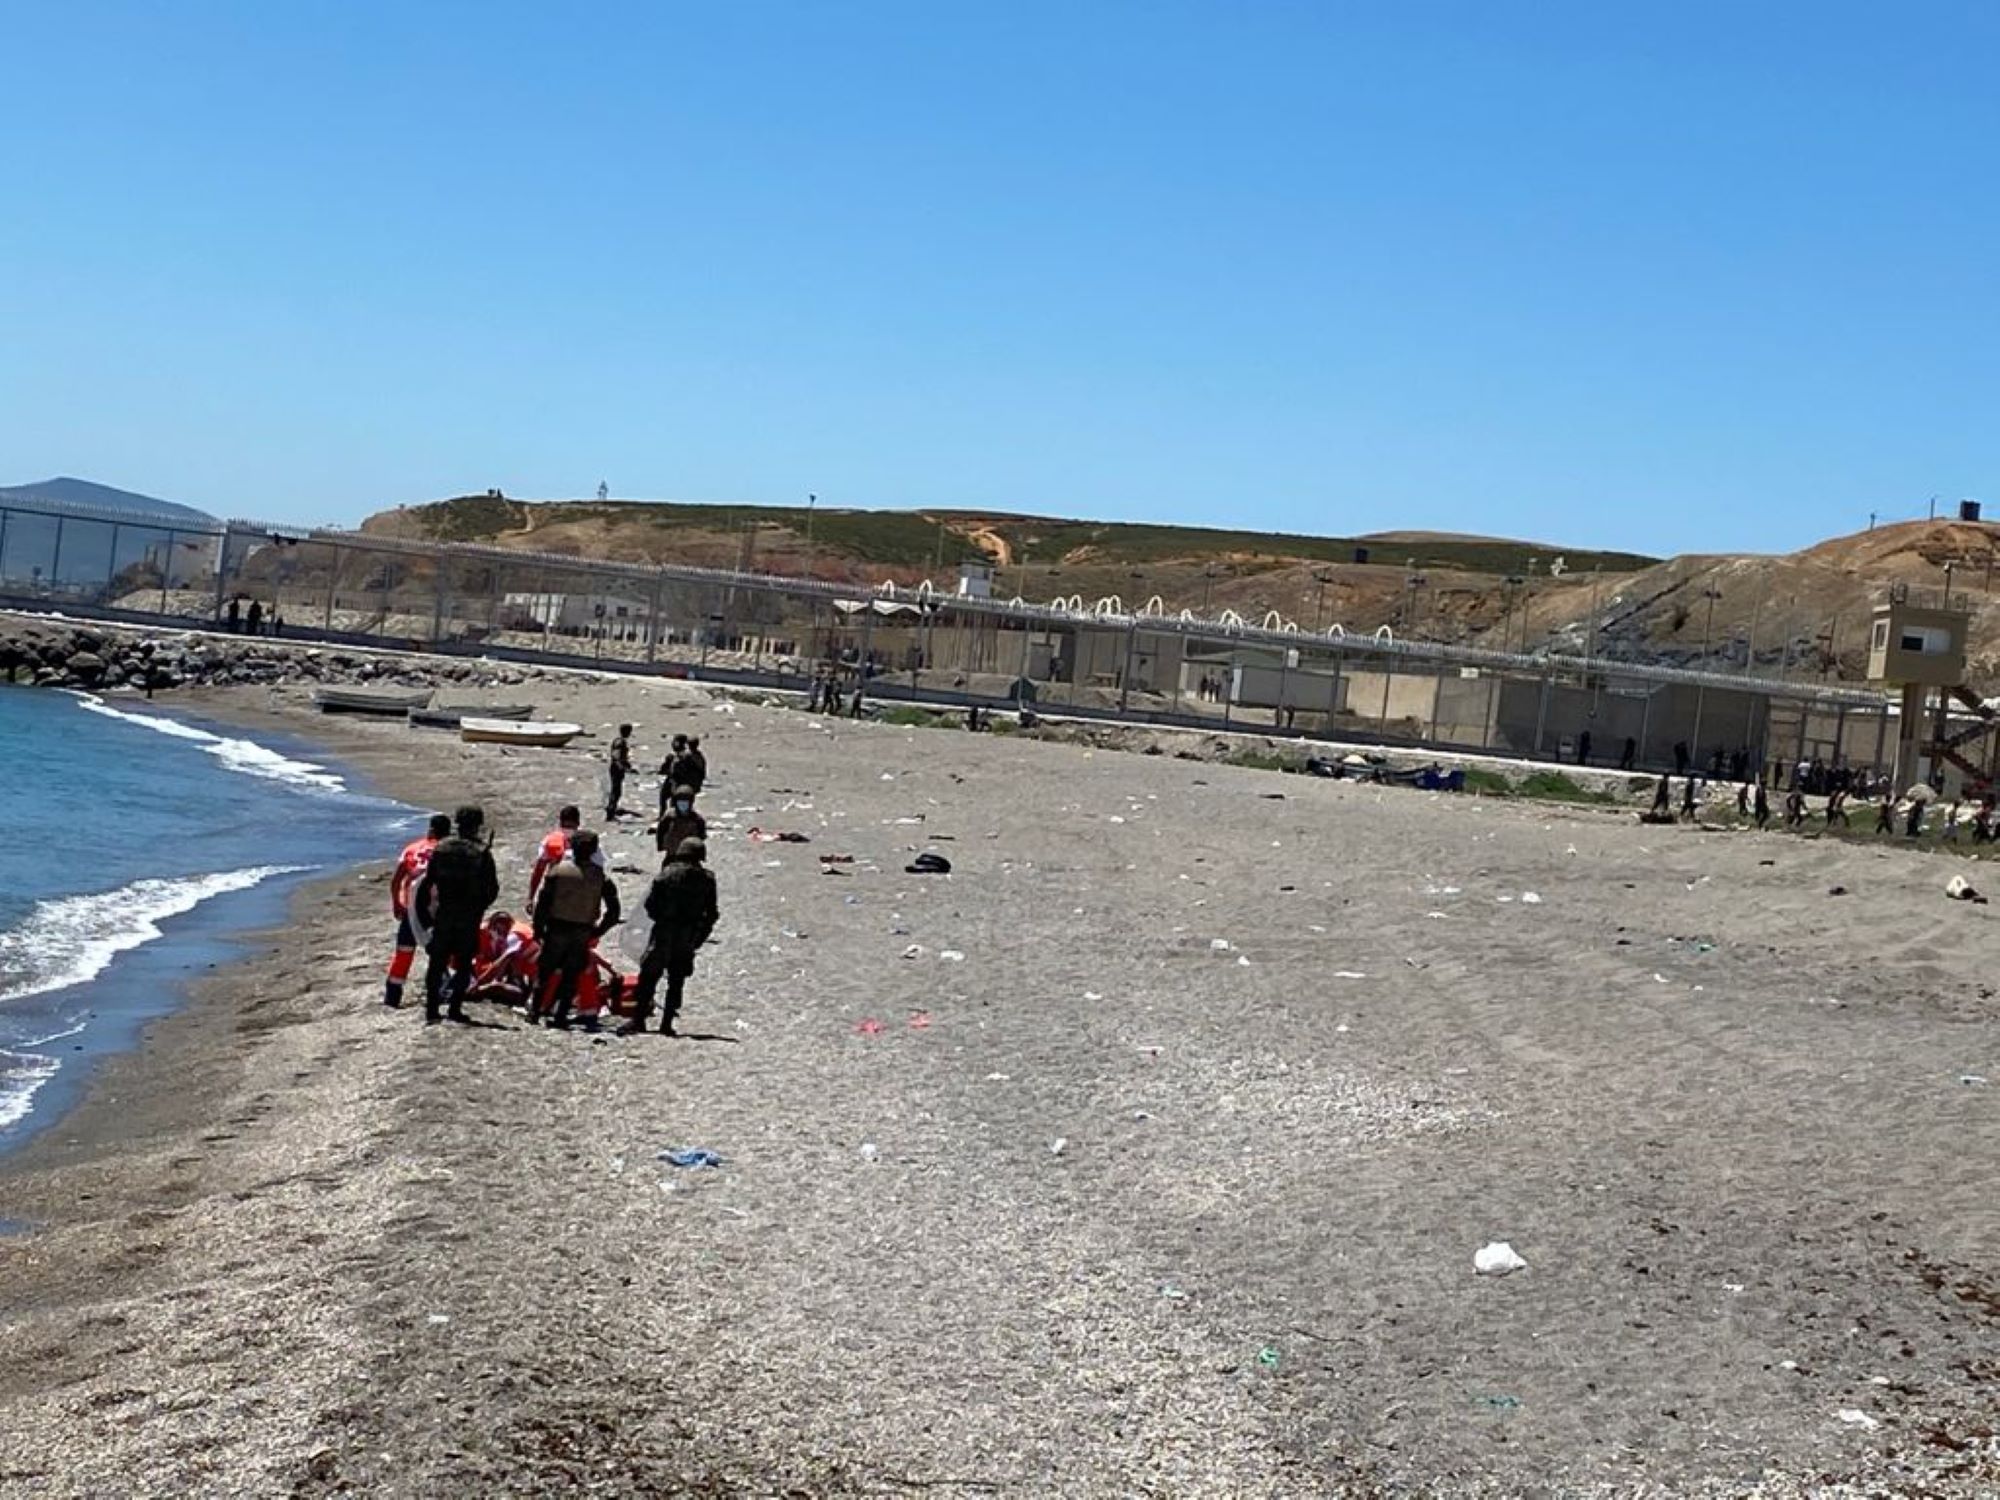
[{"x": 96, "y": 657}]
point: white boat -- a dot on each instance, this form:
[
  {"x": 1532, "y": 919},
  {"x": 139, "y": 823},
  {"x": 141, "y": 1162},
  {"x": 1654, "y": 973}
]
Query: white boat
[
  {"x": 446, "y": 716},
  {"x": 390, "y": 704},
  {"x": 548, "y": 734}
]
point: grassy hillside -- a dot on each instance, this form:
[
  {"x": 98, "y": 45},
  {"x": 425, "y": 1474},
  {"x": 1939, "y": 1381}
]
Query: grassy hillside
[{"x": 914, "y": 540}]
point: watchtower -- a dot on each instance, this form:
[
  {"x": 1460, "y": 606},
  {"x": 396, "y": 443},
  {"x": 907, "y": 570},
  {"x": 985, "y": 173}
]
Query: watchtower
[{"x": 1920, "y": 648}]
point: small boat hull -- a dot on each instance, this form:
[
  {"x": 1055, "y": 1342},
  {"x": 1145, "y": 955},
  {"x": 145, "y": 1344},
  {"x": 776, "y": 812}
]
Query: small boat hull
[
  {"x": 357, "y": 701},
  {"x": 547, "y": 735},
  {"x": 447, "y": 717}
]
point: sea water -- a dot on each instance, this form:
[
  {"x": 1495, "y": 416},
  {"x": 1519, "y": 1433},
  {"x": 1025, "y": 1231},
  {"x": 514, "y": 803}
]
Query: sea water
[{"x": 133, "y": 844}]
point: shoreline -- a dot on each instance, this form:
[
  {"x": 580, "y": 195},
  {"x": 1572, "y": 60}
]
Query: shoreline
[{"x": 326, "y": 1249}]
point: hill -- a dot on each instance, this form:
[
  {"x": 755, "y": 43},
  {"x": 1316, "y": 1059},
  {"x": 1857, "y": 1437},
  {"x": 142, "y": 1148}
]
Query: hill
[
  {"x": 125, "y": 504},
  {"x": 1036, "y": 557}
]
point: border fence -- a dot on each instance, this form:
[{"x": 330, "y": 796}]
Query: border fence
[{"x": 1109, "y": 658}]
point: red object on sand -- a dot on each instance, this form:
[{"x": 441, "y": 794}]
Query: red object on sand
[
  {"x": 870, "y": 1027},
  {"x": 921, "y": 1020}
]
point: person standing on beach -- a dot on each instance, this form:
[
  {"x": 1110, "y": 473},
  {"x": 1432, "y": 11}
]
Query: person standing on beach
[
  {"x": 620, "y": 765},
  {"x": 673, "y": 770},
  {"x": 677, "y": 824},
  {"x": 402, "y": 880},
  {"x": 1885, "y": 815},
  {"x": 1663, "y": 796},
  {"x": 451, "y": 898},
  {"x": 696, "y": 770},
  {"x": 1761, "y": 805},
  {"x": 578, "y": 905},
  {"x": 1688, "y": 802},
  {"x": 554, "y": 850},
  {"x": 682, "y": 905}
]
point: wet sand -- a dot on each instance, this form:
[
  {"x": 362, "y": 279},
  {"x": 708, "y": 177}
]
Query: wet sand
[{"x": 1097, "y": 1208}]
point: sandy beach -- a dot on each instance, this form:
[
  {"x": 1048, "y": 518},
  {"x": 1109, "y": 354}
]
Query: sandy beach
[{"x": 1031, "y": 1186}]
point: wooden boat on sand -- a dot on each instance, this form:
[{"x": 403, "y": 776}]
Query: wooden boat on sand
[
  {"x": 389, "y": 703},
  {"x": 548, "y": 734}
]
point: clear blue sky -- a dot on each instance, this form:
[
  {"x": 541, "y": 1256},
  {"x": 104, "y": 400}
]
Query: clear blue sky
[{"x": 1672, "y": 278}]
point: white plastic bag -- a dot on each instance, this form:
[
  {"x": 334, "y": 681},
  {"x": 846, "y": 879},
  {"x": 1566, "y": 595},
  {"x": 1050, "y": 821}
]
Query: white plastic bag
[{"x": 1498, "y": 1259}]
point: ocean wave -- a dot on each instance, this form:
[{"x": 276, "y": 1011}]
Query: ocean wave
[
  {"x": 71, "y": 939},
  {"x": 246, "y": 756},
  {"x": 21, "y": 1076}
]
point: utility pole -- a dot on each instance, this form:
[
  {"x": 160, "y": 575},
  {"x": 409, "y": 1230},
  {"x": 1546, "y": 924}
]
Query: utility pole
[
  {"x": 1590, "y": 647},
  {"x": 1750, "y": 647},
  {"x": 1319, "y": 604},
  {"x": 811, "y": 558},
  {"x": 1701, "y": 688},
  {"x": 1207, "y": 583}
]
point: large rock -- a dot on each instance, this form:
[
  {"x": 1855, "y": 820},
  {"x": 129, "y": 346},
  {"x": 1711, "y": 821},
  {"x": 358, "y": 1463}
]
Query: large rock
[{"x": 86, "y": 664}]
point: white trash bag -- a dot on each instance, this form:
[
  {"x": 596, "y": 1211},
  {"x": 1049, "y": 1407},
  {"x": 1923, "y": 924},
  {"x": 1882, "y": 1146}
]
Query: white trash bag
[{"x": 1498, "y": 1259}]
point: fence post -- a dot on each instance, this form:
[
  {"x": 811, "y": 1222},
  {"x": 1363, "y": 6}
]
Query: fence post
[
  {"x": 653, "y": 618},
  {"x": 55, "y": 560},
  {"x": 332, "y": 583},
  {"x": 1542, "y": 707},
  {"x": 111, "y": 565},
  {"x": 437, "y": 609},
  {"x": 221, "y": 571}
]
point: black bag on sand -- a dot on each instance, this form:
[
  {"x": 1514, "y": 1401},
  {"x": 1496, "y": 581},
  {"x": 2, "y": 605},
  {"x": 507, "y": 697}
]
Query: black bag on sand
[{"x": 928, "y": 864}]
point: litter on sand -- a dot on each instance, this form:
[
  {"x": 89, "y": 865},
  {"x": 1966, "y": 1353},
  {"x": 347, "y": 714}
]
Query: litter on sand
[
  {"x": 869, "y": 1027},
  {"x": 691, "y": 1156},
  {"x": 928, "y": 864},
  {"x": 1854, "y": 1416},
  {"x": 952, "y": 956},
  {"x": 1529, "y": 898},
  {"x": 776, "y": 836},
  {"x": 1059, "y": 1145},
  {"x": 1497, "y": 1259},
  {"x": 1958, "y": 888}
]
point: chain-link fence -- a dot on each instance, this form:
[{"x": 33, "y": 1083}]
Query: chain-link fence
[{"x": 1100, "y": 661}]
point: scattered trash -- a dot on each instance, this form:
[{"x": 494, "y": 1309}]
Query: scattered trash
[
  {"x": 1529, "y": 898},
  {"x": 928, "y": 864},
  {"x": 1218, "y": 945},
  {"x": 1837, "y": 890},
  {"x": 1348, "y": 974},
  {"x": 1242, "y": 960},
  {"x": 1114, "y": 818},
  {"x": 1973, "y": 1080},
  {"x": 1504, "y": 1403},
  {"x": 868, "y": 1151},
  {"x": 691, "y": 1156},
  {"x": 436, "y": 1318},
  {"x": 1268, "y": 1357},
  {"x": 1958, "y": 888},
  {"x": 1059, "y": 1145},
  {"x": 1092, "y": 995},
  {"x": 1659, "y": 979},
  {"x": 869, "y": 1027},
  {"x": 1173, "y": 1293},
  {"x": 951, "y": 956},
  {"x": 920, "y": 1021},
  {"x": 915, "y": 950},
  {"x": 776, "y": 836},
  {"x": 1497, "y": 1259},
  {"x": 836, "y": 859},
  {"x": 1853, "y": 1416}
]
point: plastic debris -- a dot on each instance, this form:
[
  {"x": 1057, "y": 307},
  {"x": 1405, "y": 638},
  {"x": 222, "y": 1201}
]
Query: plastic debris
[
  {"x": 691, "y": 1156},
  {"x": 951, "y": 956},
  {"x": 1348, "y": 974},
  {"x": 869, "y": 1027},
  {"x": 1268, "y": 1357},
  {"x": 1958, "y": 888},
  {"x": 868, "y": 1151},
  {"x": 1218, "y": 945},
  {"x": 1854, "y": 1416},
  {"x": 1503, "y": 1403},
  {"x": 1059, "y": 1145},
  {"x": 1497, "y": 1259},
  {"x": 1973, "y": 1080},
  {"x": 1529, "y": 898},
  {"x": 915, "y": 950}
]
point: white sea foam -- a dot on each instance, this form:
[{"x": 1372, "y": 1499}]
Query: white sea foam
[
  {"x": 247, "y": 756},
  {"x": 71, "y": 939},
  {"x": 21, "y": 1075}
]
